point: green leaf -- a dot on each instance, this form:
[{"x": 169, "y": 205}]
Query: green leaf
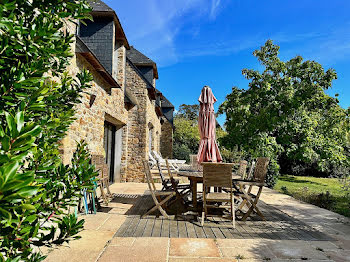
[
  {"x": 5, "y": 143},
  {"x": 2, "y": 132},
  {"x": 20, "y": 121},
  {"x": 28, "y": 207},
  {"x": 28, "y": 191},
  {"x": 10, "y": 170},
  {"x": 31, "y": 218},
  {"x": 5, "y": 214},
  {"x": 11, "y": 123}
]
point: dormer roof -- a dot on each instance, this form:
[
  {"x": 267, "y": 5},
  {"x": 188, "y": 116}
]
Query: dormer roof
[
  {"x": 100, "y": 9},
  {"x": 139, "y": 59},
  {"x": 99, "y": 6}
]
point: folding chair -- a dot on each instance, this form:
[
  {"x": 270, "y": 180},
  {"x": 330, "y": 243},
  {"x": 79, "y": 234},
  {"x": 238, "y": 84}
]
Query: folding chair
[
  {"x": 156, "y": 194},
  {"x": 242, "y": 170},
  {"x": 182, "y": 190},
  {"x": 248, "y": 198},
  {"x": 166, "y": 183},
  {"x": 103, "y": 182},
  {"x": 251, "y": 170},
  {"x": 217, "y": 175}
]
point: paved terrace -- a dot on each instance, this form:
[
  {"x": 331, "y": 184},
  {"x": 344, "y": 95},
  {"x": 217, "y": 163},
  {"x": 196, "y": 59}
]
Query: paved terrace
[{"x": 294, "y": 231}]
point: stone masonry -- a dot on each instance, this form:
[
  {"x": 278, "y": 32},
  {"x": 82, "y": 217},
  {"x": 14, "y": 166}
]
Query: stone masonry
[
  {"x": 122, "y": 94},
  {"x": 141, "y": 119},
  {"x": 166, "y": 140}
]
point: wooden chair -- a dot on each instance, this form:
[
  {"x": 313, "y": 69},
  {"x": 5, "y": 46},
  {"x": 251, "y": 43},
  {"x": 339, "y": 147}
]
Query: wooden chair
[
  {"x": 103, "y": 183},
  {"x": 248, "y": 198},
  {"x": 157, "y": 195},
  {"x": 242, "y": 170},
  {"x": 166, "y": 183},
  {"x": 249, "y": 176},
  {"x": 182, "y": 190},
  {"x": 217, "y": 175}
]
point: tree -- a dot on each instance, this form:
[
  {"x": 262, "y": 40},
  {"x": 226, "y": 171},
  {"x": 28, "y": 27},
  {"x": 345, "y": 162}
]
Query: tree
[
  {"x": 37, "y": 99},
  {"x": 186, "y": 137},
  {"x": 189, "y": 112},
  {"x": 286, "y": 115}
]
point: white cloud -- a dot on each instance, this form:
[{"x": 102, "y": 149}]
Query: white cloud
[
  {"x": 214, "y": 8},
  {"x": 156, "y": 24}
]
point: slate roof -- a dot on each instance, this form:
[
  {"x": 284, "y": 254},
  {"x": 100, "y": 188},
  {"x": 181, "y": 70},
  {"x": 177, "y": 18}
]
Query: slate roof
[
  {"x": 166, "y": 102},
  {"x": 99, "y": 6},
  {"x": 89, "y": 55},
  {"x": 137, "y": 58}
]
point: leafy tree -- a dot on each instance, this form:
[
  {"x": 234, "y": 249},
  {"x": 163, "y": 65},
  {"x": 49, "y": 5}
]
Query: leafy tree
[
  {"x": 37, "y": 99},
  {"x": 189, "y": 112},
  {"x": 186, "y": 137},
  {"x": 286, "y": 115}
]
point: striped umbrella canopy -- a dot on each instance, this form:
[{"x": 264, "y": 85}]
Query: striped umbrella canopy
[{"x": 208, "y": 149}]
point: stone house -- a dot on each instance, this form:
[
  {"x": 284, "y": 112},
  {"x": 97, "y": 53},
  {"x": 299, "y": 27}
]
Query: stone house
[{"x": 123, "y": 116}]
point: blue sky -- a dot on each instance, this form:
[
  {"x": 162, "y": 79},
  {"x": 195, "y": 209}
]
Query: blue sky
[{"x": 209, "y": 42}]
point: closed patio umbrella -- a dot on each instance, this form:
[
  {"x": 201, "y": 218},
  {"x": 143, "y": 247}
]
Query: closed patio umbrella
[{"x": 208, "y": 149}]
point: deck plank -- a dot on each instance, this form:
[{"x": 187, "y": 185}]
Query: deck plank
[
  {"x": 181, "y": 224},
  {"x": 140, "y": 228},
  {"x": 216, "y": 227},
  {"x": 174, "y": 231},
  {"x": 149, "y": 226},
  {"x": 190, "y": 230},
  {"x": 124, "y": 227},
  {"x": 165, "y": 228},
  {"x": 199, "y": 231},
  {"x": 157, "y": 228},
  {"x": 131, "y": 229}
]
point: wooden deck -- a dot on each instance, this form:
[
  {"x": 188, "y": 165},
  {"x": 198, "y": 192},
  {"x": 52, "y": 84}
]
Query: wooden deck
[{"x": 278, "y": 225}]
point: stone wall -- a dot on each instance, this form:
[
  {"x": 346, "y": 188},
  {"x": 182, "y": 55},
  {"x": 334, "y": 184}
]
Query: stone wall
[
  {"x": 140, "y": 118},
  {"x": 119, "y": 71},
  {"x": 166, "y": 140},
  {"x": 153, "y": 119},
  {"x": 89, "y": 124}
]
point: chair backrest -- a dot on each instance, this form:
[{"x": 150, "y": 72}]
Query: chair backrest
[
  {"x": 217, "y": 175},
  {"x": 242, "y": 170},
  {"x": 172, "y": 180},
  {"x": 149, "y": 177},
  {"x": 151, "y": 158},
  {"x": 158, "y": 156},
  {"x": 260, "y": 169},
  {"x": 251, "y": 170},
  {"x": 161, "y": 173},
  {"x": 193, "y": 160}
]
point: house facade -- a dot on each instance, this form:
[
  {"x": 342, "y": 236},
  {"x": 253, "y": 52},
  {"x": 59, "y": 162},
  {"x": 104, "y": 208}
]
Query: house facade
[{"x": 123, "y": 116}]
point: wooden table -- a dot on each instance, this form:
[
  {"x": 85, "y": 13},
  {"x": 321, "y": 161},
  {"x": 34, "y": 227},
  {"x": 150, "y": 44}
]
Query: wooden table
[{"x": 194, "y": 177}]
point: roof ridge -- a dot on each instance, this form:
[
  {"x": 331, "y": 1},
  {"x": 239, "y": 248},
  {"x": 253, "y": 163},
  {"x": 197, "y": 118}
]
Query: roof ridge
[{"x": 99, "y": 6}]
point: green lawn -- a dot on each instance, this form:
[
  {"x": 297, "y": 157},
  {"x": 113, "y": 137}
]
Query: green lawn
[{"x": 314, "y": 190}]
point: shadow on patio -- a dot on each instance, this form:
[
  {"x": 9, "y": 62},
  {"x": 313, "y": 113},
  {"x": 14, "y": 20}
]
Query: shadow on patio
[{"x": 279, "y": 226}]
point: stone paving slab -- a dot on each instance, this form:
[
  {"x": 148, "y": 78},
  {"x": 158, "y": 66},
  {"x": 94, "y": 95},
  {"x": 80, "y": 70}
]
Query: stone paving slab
[
  {"x": 137, "y": 250},
  {"x": 193, "y": 247}
]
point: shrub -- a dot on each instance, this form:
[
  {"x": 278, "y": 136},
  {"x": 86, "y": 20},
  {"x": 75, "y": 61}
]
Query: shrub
[{"x": 37, "y": 99}]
